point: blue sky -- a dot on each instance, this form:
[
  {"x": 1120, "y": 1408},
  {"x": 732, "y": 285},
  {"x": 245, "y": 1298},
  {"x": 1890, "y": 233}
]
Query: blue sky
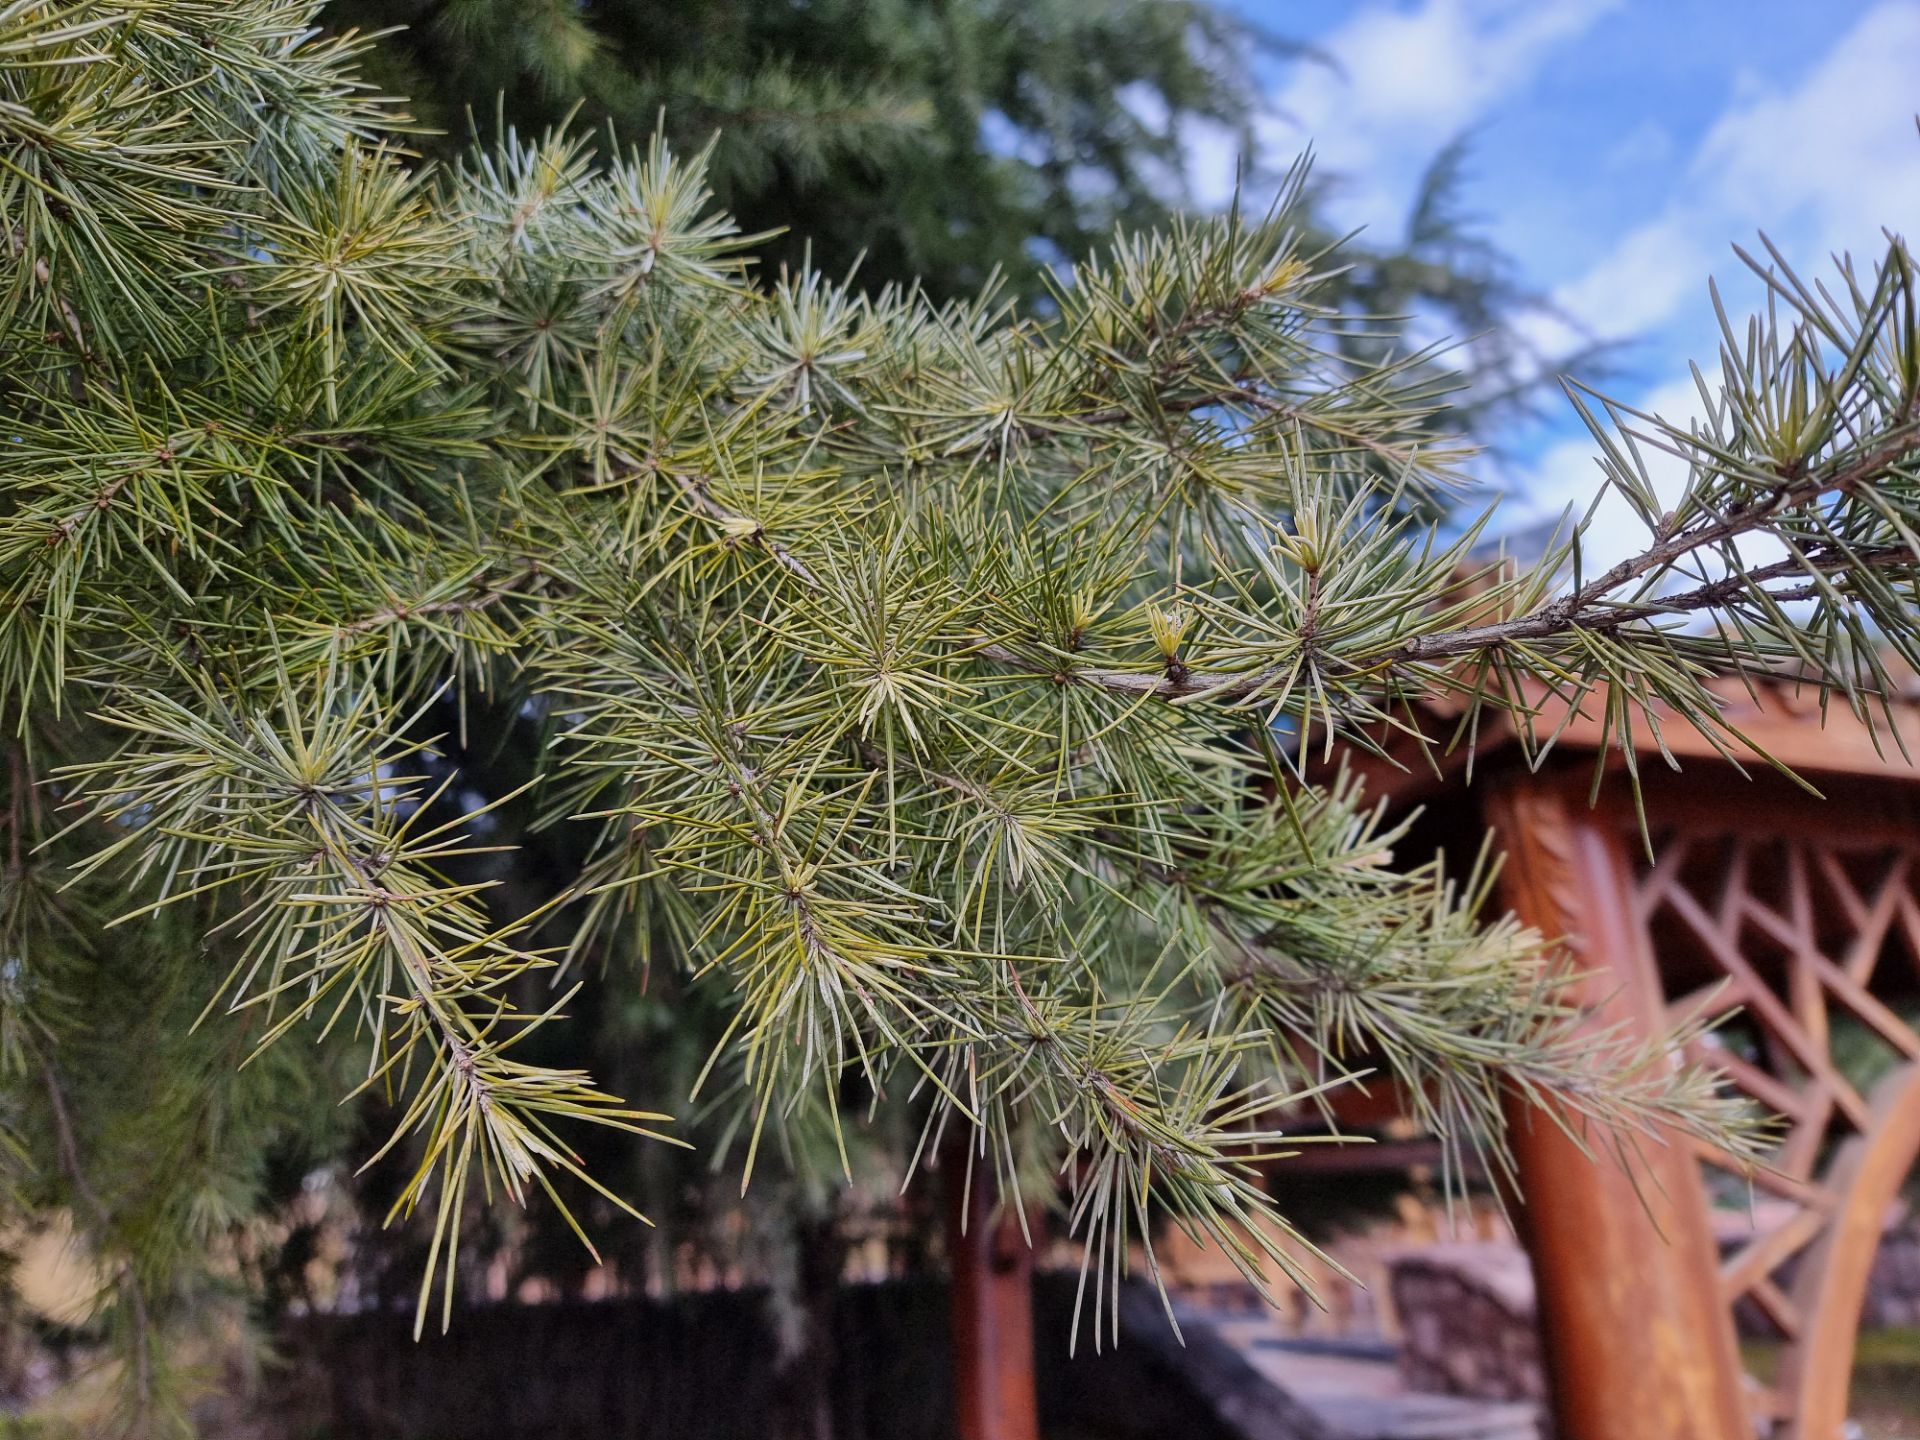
[{"x": 1621, "y": 147}]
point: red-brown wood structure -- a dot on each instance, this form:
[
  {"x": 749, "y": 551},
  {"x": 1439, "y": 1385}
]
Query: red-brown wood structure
[
  {"x": 1743, "y": 894},
  {"x": 1803, "y": 912},
  {"x": 991, "y": 1309}
]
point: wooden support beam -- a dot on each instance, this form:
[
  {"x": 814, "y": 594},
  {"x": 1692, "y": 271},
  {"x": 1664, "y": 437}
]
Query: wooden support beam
[
  {"x": 991, "y": 1308},
  {"x": 1636, "y": 1339},
  {"x": 1831, "y": 1285}
]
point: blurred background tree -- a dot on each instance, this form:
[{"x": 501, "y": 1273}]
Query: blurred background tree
[{"x": 939, "y": 141}]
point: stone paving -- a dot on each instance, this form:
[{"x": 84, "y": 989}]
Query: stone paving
[{"x": 1355, "y": 1389}]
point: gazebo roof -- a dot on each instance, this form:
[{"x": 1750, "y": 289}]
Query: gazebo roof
[{"x": 1783, "y": 721}]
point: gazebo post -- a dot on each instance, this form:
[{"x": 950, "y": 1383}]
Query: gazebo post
[
  {"x": 991, "y": 1308},
  {"x": 1637, "y": 1339}
]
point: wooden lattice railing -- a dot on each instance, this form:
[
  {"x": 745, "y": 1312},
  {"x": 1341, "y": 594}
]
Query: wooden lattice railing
[{"x": 1815, "y": 939}]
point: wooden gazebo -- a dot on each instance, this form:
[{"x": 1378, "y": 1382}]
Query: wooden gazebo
[{"x": 1803, "y": 912}]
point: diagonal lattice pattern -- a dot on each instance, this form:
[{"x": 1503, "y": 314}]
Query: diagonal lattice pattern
[{"x": 1808, "y": 947}]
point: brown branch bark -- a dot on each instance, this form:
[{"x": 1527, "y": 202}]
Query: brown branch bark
[
  {"x": 1587, "y": 608},
  {"x": 457, "y": 605}
]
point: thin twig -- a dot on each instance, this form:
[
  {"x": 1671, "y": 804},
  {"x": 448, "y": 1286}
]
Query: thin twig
[
  {"x": 457, "y": 605},
  {"x": 1585, "y": 609}
]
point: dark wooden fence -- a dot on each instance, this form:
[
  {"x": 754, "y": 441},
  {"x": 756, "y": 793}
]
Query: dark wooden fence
[{"x": 705, "y": 1367}]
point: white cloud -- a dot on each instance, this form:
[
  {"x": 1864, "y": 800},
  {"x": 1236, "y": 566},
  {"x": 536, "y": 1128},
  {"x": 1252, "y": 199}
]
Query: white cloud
[
  {"x": 1644, "y": 279},
  {"x": 1433, "y": 68},
  {"x": 1820, "y": 163},
  {"x": 1647, "y": 146},
  {"x": 1821, "y": 166},
  {"x": 1408, "y": 80},
  {"x": 1568, "y": 474},
  {"x": 1212, "y": 162}
]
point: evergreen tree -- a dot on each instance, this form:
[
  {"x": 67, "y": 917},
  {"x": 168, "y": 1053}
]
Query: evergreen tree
[
  {"x": 913, "y": 673},
  {"x": 900, "y": 142},
  {"x": 922, "y": 144},
  {"x": 926, "y": 142}
]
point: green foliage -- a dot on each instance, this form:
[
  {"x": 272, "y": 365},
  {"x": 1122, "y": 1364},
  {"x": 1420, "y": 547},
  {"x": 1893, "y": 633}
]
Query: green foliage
[
  {"x": 943, "y": 146},
  {"x": 972, "y": 143},
  {"x": 913, "y": 674},
  {"x": 858, "y": 126}
]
